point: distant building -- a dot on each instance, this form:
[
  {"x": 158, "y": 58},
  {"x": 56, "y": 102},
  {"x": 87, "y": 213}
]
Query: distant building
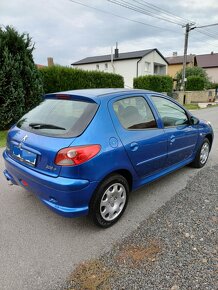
[
  {"x": 50, "y": 63},
  {"x": 209, "y": 62},
  {"x": 176, "y": 63},
  {"x": 129, "y": 64}
]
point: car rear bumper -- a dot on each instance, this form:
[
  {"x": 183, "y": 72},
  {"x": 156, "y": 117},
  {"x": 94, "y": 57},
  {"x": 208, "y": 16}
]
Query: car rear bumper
[{"x": 67, "y": 197}]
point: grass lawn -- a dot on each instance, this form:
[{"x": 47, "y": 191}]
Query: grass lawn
[
  {"x": 191, "y": 106},
  {"x": 3, "y": 138}
]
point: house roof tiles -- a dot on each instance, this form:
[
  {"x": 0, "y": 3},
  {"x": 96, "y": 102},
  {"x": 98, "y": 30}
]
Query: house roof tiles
[
  {"x": 122, "y": 56},
  {"x": 179, "y": 59},
  {"x": 207, "y": 60}
]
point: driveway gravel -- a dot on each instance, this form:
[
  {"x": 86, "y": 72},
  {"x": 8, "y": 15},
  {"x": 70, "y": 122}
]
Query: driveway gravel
[{"x": 174, "y": 249}]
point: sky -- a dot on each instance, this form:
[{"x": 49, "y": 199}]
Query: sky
[{"x": 68, "y": 31}]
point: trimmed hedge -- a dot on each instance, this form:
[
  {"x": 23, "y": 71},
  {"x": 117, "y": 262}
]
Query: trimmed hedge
[
  {"x": 195, "y": 83},
  {"x": 58, "y": 78},
  {"x": 155, "y": 83}
]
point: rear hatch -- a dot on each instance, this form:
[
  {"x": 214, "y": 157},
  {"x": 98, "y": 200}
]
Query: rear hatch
[{"x": 37, "y": 137}]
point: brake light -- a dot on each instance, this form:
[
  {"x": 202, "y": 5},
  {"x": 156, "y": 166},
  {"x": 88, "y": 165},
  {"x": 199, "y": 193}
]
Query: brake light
[
  {"x": 76, "y": 155},
  {"x": 63, "y": 97}
]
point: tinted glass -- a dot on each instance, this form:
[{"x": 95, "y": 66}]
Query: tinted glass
[
  {"x": 55, "y": 117},
  {"x": 134, "y": 113},
  {"x": 171, "y": 114}
]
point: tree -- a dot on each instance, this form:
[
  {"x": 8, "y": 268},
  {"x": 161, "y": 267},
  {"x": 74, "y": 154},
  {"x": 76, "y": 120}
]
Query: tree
[
  {"x": 20, "y": 81},
  {"x": 193, "y": 71}
]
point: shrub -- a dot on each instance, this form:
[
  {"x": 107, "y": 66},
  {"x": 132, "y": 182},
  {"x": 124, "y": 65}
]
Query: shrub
[
  {"x": 213, "y": 86},
  {"x": 20, "y": 82},
  {"x": 58, "y": 78},
  {"x": 154, "y": 83},
  {"x": 195, "y": 83},
  {"x": 193, "y": 71}
]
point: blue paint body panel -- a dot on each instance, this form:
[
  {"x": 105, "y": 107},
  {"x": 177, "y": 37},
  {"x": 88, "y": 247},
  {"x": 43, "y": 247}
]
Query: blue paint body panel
[{"x": 67, "y": 190}]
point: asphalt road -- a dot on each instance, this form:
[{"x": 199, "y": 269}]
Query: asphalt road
[{"x": 39, "y": 249}]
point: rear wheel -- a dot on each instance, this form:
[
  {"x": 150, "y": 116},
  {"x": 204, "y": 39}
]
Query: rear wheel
[
  {"x": 202, "y": 154},
  {"x": 110, "y": 201}
]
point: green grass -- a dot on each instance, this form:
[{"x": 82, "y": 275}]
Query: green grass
[
  {"x": 191, "y": 106},
  {"x": 3, "y": 135}
]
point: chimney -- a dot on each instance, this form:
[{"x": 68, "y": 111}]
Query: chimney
[
  {"x": 116, "y": 51},
  {"x": 50, "y": 61},
  {"x": 175, "y": 53}
]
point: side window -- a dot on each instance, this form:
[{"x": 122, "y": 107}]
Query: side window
[
  {"x": 171, "y": 114},
  {"x": 134, "y": 113}
]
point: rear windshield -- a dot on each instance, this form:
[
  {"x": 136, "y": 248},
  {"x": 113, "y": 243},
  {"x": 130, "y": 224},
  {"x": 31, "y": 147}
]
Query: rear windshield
[{"x": 59, "y": 118}]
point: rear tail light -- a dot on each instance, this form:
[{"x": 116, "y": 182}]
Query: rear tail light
[{"x": 76, "y": 155}]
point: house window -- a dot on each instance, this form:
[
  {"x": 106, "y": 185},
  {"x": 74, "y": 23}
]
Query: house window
[
  {"x": 147, "y": 66},
  {"x": 159, "y": 69},
  {"x": 97, "y": 66},
  {"x": 106, "y": 66}
]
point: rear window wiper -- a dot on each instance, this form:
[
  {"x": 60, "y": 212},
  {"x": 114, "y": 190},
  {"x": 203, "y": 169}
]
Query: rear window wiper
[{"x": 45, "y": 126}]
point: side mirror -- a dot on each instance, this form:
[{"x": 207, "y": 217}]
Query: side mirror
[{"x": 194, "y": 120}]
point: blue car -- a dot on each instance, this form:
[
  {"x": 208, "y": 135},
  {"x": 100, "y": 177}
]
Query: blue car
[{"x": 81, "y": 152}]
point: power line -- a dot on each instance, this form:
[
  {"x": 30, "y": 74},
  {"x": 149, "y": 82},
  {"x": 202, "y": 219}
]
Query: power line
[
  {"x": 141, "y": 10},
  {"x": 163, "y": 13},
  {"x": 212, "y": 35},
  {"x": 214, "y": 24},
  {"x": 163, "y": 10},
  {"x": 173, "y": 18},
  {"x": 122, "y": 17},
  {"x": 132, "y": 20}
]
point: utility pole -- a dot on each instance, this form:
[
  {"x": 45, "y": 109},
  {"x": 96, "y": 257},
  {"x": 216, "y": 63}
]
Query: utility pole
[{"x": 188, "y": 27}]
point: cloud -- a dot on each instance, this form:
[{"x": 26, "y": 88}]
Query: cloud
[{"x": 68, "y": 32}]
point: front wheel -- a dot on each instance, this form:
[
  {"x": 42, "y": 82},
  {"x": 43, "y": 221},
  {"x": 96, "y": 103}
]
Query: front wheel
[
  {"x": 202, "y": 154},
  {"x": 110, "y": 201}
]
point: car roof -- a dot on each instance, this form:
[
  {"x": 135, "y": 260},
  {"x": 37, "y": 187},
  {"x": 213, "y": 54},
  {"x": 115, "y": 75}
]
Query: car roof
[{"x": 98, "y": 95}]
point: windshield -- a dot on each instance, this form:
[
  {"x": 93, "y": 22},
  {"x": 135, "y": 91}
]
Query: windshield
[{"x": 54, "y": 117}]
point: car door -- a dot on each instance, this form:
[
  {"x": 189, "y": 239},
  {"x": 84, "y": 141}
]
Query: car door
[
  {"x": 182, "y": 136},
  {"x": 144, "y": 142}
]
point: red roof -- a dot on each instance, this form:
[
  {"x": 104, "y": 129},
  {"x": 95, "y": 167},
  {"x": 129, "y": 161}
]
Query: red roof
[
  {"x": 207, "y": 60},
  {"x": 40, "y": 65},
  {"x": 179, "y": 59}
]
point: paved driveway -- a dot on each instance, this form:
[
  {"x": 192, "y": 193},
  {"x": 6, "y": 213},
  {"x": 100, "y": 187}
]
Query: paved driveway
[{"x": 39, "y": 249}]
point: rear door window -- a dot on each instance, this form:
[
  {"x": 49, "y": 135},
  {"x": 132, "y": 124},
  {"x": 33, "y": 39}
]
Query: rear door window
[
  {"x": 134, "y": 113},
  {"x": 55, "y": 117}
]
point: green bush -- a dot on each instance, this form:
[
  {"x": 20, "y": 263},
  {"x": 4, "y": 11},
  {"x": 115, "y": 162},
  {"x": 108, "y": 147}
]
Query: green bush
[
  {"x": 195, "y": 83},
  {"x": 213, "y": 86},
  {"x": 155, "y": 83},
  {"x": 58, "y": 78},
  {"x": 20, "y": 82},
  {"x": 193, "y": 71}
]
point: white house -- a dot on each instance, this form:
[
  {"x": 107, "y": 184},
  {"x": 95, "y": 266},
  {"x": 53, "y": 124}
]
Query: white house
[{"x": 128, "y": 64}]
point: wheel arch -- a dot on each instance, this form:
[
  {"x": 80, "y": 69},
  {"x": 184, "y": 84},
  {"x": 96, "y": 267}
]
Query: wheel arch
[
  {"x": 210, "y": 138},
  {"x": 124, "y": 172}
]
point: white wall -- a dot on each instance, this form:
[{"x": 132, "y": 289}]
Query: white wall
[
  {"x": 212, "y": 74},
  {"x": 128, "y": 68},
  {"x": 152, "y": 58}
]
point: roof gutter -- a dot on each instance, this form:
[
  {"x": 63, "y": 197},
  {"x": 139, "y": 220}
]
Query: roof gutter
[{"x": 137, "y": 67}]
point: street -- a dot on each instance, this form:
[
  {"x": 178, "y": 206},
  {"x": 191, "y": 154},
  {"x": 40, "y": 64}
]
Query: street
[{"x": 39, "y": 249}]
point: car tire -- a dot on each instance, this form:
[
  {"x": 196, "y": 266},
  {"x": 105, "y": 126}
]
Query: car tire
[
  {"x": 109, "y": 201},
  {"x": 202, "y": 155}
]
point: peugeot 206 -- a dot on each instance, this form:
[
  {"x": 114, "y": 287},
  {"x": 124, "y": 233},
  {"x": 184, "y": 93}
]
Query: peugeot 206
[{"x": 81, "y": 152}]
